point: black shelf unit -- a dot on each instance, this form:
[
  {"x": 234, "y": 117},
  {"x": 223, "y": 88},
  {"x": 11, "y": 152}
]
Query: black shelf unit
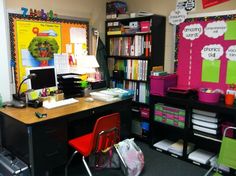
[
  {"x": 155, "y": 57},
  {"x": 160, "y": 131}
]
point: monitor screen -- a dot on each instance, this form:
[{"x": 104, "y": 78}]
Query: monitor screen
[{"x": 45, "y": 77}]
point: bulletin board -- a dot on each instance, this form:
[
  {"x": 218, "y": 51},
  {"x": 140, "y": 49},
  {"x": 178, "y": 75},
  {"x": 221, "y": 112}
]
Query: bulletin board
[
  {"x": 206, "y": 52},
  {"x": 34, "y": 41}
]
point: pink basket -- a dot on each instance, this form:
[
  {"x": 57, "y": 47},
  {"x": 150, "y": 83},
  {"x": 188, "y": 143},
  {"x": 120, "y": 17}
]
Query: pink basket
[{"x": 208, "y": 97}]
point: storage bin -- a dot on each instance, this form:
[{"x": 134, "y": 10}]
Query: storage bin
[
  {"x": 145, "y": 26},
  {"x": 157, "y": 112},
  {"x": 158, "y": 118},
  {"x": 229, "y": 132},
  {"x": 144, "y": 112},
  {"x": 160, "y": 84},
  {"x": 208, "y": 97}
]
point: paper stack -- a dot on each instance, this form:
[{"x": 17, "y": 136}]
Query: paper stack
[
  {"x": 177, "y": 148},
  {"x": 201, "y": 156}
]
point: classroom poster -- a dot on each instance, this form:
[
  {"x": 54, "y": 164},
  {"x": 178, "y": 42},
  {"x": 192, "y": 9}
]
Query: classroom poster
[
  {"x": 35, "y": 41},
  {"x": 202, "y": 44}
]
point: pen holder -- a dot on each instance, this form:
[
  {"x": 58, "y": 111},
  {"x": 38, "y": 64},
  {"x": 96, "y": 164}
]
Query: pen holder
[
  {"x": 59, "y": 96},
  {"x": 229, "y": 99}
]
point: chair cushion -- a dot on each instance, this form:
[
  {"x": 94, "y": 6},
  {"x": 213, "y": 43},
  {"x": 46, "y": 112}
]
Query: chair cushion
[{"x": 82, "y": 144}]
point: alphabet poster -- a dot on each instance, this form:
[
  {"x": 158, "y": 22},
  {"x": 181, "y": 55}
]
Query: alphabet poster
[{"x": 206, "y": 52}]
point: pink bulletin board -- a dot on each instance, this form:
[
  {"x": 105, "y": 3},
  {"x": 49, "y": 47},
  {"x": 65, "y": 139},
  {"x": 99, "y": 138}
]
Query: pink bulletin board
[{"x": 206, "y": 52}]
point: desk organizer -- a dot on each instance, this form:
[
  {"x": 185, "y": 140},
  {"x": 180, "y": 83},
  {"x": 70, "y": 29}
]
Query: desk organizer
[
  {"x": 169, "y": 115},
  {"x": 208, "y": 97},
  {"x": 160, "y": 84}
]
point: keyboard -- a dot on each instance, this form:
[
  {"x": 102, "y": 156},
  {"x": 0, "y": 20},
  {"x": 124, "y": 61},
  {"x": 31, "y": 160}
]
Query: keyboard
[{"x": 55, "y": 104}]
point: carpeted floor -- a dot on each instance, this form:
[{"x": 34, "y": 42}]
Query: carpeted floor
[{"x": 156, "y": 164}]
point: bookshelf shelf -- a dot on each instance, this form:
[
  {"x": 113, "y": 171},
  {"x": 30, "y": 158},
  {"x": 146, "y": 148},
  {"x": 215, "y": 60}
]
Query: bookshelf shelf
[
  {"x": 201, "y": 140},
  {"x": 136, "y": 46},
  {"x": 130, "y": 57}
]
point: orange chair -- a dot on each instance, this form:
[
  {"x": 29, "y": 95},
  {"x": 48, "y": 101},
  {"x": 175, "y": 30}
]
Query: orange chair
[{"x": 106, "y": 133}]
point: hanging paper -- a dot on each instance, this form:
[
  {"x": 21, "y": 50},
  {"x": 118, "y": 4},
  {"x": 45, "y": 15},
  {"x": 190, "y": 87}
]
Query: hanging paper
[
  {"x": 211, "y": 62},
  {"x": 215, "y": 29},
  {"x": 230, "y": 33},
  {"x": 177, "y": 16},
  {"x": 231, "y": 65}
]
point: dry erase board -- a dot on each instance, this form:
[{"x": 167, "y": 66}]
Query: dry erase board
[
  {"x": 34, "y": 41},
  {"x": 206, "y": 52}
]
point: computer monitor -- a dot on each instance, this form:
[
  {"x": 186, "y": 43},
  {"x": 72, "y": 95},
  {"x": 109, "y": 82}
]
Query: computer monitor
[{"x": 45, "y": 77}]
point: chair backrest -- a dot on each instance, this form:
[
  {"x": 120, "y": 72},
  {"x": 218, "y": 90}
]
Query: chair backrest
[
  {"x": 106, "y": 132},
  {"x": 227, "y": 155}
]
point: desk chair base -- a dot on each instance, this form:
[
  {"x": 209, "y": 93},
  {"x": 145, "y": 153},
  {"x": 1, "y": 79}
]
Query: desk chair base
[{"x": 84, "y": 162}]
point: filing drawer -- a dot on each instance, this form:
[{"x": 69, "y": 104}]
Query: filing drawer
[{"x": 50, "y": 144}]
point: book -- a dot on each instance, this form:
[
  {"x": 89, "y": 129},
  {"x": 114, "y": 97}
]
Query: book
[{"x": 114, "y": 32}]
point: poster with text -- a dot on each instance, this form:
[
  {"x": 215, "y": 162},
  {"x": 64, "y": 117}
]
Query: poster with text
[
  {"x": 35, "y": 41},
  {"x": 206, "y": 52}
]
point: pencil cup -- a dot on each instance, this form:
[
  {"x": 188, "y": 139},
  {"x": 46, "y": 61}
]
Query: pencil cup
[{"x": 229, "y": 99}]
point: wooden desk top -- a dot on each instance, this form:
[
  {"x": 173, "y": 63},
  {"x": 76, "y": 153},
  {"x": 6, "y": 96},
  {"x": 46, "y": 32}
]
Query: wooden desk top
[{"x": 27, "y": 115}]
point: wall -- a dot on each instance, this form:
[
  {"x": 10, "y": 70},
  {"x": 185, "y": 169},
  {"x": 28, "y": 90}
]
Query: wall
[
  {"x": 90, "y": 9},
  {"x": 4, "y": 62},
  {"x": 164, "y": 7},
  {"x": 95, "y": 11}
]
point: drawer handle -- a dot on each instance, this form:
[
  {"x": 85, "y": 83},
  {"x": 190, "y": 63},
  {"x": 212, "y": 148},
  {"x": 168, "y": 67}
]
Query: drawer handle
[{"x": 52, "y": 154}]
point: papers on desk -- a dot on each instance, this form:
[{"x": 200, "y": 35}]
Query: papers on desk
[
  {"x": 201, "y": 156},
  {"x": 104, "y": 97},
  {"x": 110, "y": 95}
]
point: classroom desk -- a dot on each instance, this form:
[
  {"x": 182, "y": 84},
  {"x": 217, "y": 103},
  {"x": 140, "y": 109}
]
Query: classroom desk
[{"x": 42, "y": 143}]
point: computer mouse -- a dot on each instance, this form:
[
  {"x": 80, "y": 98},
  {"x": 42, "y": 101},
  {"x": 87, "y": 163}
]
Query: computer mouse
[{"x": 89, "y": 99}]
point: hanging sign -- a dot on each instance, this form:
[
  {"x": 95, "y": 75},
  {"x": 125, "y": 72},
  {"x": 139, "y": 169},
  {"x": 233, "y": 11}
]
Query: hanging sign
[
  {"x": 209, "y": 3},
  {"x": 177, "y": 16},
  {"x": 188, "y": 5}
]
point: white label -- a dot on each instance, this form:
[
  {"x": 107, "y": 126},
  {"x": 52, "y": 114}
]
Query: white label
[
  {"x": 231, "y": 53},
  {"x": 212, "y": 52},
  {"x": 177, "y": 16},
  {"x": 215, "y": 29},
  {"x": 192, "y": 32}
]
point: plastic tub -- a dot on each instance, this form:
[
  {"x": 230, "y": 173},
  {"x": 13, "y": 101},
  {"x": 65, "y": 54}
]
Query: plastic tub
[{"x": 208, "y": 97}]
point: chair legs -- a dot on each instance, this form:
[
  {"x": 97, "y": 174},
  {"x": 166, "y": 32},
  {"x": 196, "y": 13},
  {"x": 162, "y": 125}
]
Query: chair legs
[
  {"x": 86, "y": 166},
  {"x": 68, "y": 163},
  {"x": 84, "y": 162}
]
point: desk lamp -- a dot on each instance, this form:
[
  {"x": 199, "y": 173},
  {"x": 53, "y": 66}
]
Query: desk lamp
[
  {"x": 17, "y": 97},
  {"x": 87, "y": 65}
]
